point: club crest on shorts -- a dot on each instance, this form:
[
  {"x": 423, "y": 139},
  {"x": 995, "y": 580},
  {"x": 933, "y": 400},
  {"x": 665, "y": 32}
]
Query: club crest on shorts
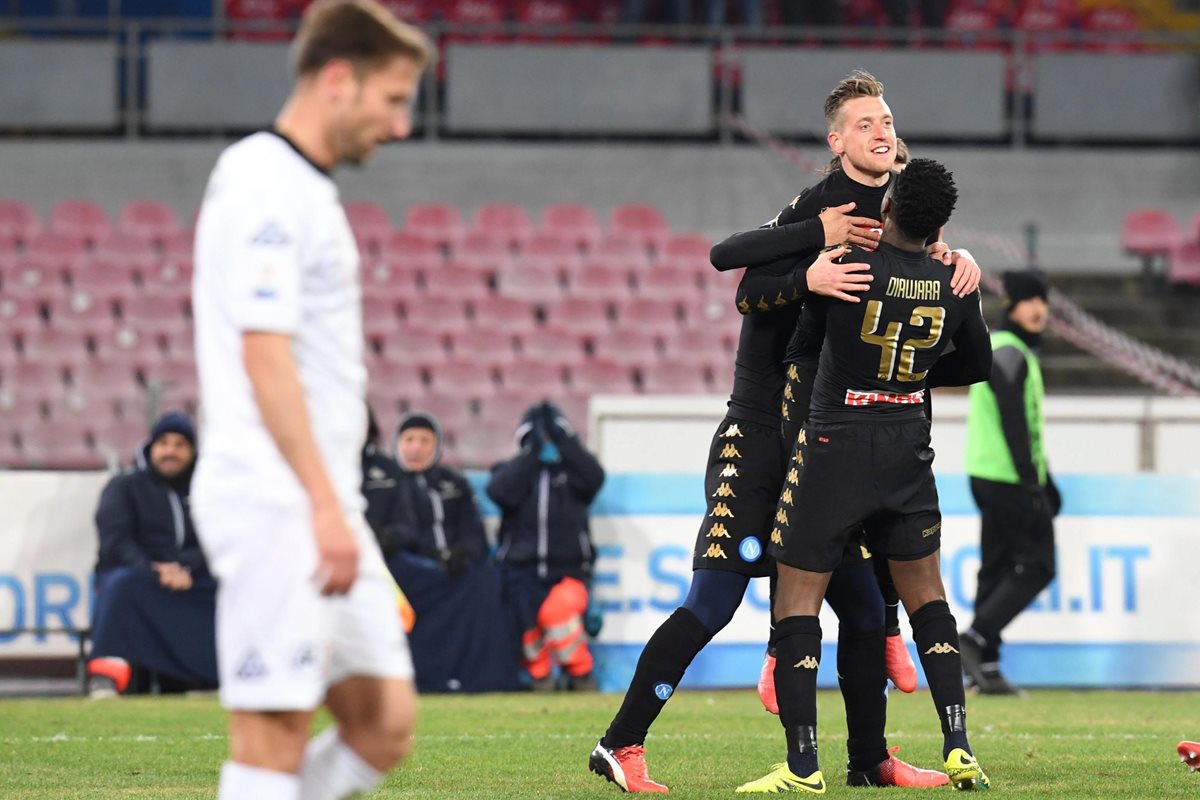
[
  {"x": 663, "y": 691},
  {"x": 750, "y": 549}
]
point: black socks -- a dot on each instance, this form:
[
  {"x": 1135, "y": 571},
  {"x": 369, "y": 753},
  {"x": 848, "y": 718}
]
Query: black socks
[
  {"x": 936, "y": 636},
  {"x": 863, "y": 679},
  {"x": 797, "y": 656}
]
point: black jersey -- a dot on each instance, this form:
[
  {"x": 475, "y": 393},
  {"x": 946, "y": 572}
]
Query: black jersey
[
  {"x": 758, "y": 376},
  {"x": 878, "y": 352}
]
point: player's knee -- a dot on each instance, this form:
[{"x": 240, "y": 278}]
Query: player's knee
[
  {"x": 383, "y": 740},
  {"x": 270, "y": 740}
]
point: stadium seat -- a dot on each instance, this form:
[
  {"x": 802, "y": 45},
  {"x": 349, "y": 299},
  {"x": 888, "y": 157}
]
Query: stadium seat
[
  {"x": 411, "y": 11},
  {"x": 148, "y": 219},
  {"x": 717, "y": 312},
  {"x": 686, "y": 247},
  {"x": 370, "y": 223},
  {"x": 484, "y": 344},
  {"x": 602, "y": 281},
  {"x": 151, "y": 313},
  {"x": 974, "y": 26},
  {"x": 713, "y": 344},
  {"x": 470, "y": 376},
  {"x": 504, "y": 410},
  {"x": 670, "y": 280},
  {"x": 60, "y": 444},
  {"x": 84, "y": 312},
  {"x": 675, "y": 377},
  {"x": 483, "y": 446},
  {"x": 530, "y": 280},
  {"x": 119, "y": 439},
  {"x": 582, "y": 315},
  {"x": 645, "y": 222},
  {"x": 473, "y": 13},
  {"x": 412, "y": 344},
  {"x": 629, "y": 347},
  {"x": 1193, "y": 232},
  {"x": 625, "y": 246},
  {"x": 533, "y": 377},
  {"x": 1150, "y": 233},
  {"x": 171, "y": 271},
  {"x": 271, "y": 17},
  {"x": 397, "y": 378},
  {"x": 1112, "y": 20},
  {"x": 415, "y": 249},
  {"x": 660, "y": 316},
  {"x": 505, "y": 221},
  {"x": 35, "y": 379},
  {"x": 574, "y": 223},
  {"x": 112, "y": 276},
  {"x": 552, "y": 248},
  {"x": 506, "y": 314},
  {"x": 55, "y": 247},
  {"x": 480, "y": 247},
  {"x": 453, "y": 411},
  {"x": 440, "y": 314},
  {"x": 438, "y": 222},
  {"x": 175, "y": 374},
  {"x": 107, "y": 379},
  {"x": 51, "y": 346},
  {"x": 454, "y": 280},
  {"x": 18, "y": 220},
  {"x": 546, "y": 14},
  {"x": 1183, "y": 266},
  {"x": 181, "y": 244},
  {"x": 553, "y": 344},
  {"x": 400, "y": 283},
  {"x": 127, "y": 343},
  {"x": 81, "y": 220},
  {"x": 601, "y": 377},
  {"x": 380, "y": 315}
]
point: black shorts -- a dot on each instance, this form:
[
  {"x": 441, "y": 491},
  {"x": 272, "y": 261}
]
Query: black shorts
[
  {"x": 797, "y": 396},
  {"x": 741, "y": 486},
  {"x": 847, "y": 476}
]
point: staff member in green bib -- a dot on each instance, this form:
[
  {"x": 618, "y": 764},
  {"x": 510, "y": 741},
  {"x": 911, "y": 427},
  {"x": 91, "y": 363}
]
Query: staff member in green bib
[{"x": 1011, "y": 484}]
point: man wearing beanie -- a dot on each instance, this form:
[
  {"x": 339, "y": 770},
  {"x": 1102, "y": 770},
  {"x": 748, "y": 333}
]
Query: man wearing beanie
[
  {"x": 155, "y": 599},
  {"x": 1010, "y": 480}
]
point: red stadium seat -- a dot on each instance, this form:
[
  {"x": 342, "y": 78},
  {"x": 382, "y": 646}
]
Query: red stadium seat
[
  {"x": 180, "y": 245},
  {"x": 654, "y": 315},
  {"x": 508, "y": 314},
  {"x": 553, "y": 344},
  {"x": 675, "y": 377},
  {"x": 482, "y": 247},
  {"x": 173, "y": 374},
  {"x": 623, "y": 246},
  {"x": 686, "y": 247},
  {"x": 55, "y": 247},
  {"x": 56, "y": 347},
  {"x": 457, "y": 281},
  {"x": 370, "y": 223},
  {"x": 629, "y": 347},
  {"x": 30, "y": 379},
  {"x": 453, "y": 412},
  {"x": 18, "y": 220},
  {"x": 1193, "y": 233},
  {"x": 601, "y": 283},
  {"x": 172, "y": 272},
  {"x": 530, "y": 280},
  {"x": 380, "y": 315},
  {"x": 60, "y": 444},
  {"x": 506, "y": 221},
  {"x": 643, "y": 221},
  {"x": 670, "y": 281},
  {"x": 116, "y": 380},
  {"x": 709, "y": 343},
  {"x": 21, "y": 312},
  {"x": 119, "y": 439},
  {"x": 469, "y": 376},
  {"x": 553, "y": 248},
  {"x": 717, "y": 312},
  {"x": 973, "y": 24},
  {"x": 396, "y": 379},
  {"x": 79, "y": 219},
  {"x": 106, "y": 276},
  {"x": 408, "y": 247},
  {"x": 483, "y": 446},
  {"x": 504, "y": 410},
  {"x": 151, "y": 313},
  {"x": 148, "y": 219},
  {"x": 127, "y": 343},
  {"x": 484, "y": 344},
  {"x": 439, "y": 222},
  {"x": 436, "y": 313},
  {"x": 1150, "y": 233},
  {"x": 1183, "y": 267},
  {"x": 601, "y": 377},
  {"x": 575, "y": 223},
  {"x": 413, "y": 344},
  {"x": 411, "y": 11},
  {"x": 545, "y": 12},
  {"x": 530, "y": 377},
  {"x": 83, "y": 312},
  {"x": 582, "y": 315}
]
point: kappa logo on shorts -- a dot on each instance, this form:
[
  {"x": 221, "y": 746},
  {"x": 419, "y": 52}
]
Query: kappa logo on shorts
[
  {"x": 730, "y": 471},
  {"x": 787, "y": 497},
  {"x": 931, "y": 531},
  {"x": 799, "y": 457},
  {"x": 663, "y": 691},
  {"x": 724, "y": 490},
  {"x": 777, "y": 537},
  {"x": 721, "y": 510},
  {"x": 716, "y": 551},
  {"x": 783, "y": 410},
  {"x": 252, "y": 666},
  {"x": 941, "y": 649},
  {"x": 803, "y": 437},
  {"x": 781, "y": 517},
  {"x": 733, "y": 431},
  {"x": 788, "y": 394},
  {"x": 718, "y": 531},
  {"x": 793, "y": 373},
  {"x": 794, "y": 477},
  {"x": 750, "y": 549},
  {"x": 730, "y": 451}
]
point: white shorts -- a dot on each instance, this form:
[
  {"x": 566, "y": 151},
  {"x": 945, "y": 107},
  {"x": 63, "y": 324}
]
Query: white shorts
[{"x": 280, "y": 643}]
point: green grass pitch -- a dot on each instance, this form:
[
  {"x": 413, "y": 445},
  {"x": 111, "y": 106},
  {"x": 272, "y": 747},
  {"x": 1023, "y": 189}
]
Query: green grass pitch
[{"x": 1046, "y": 744}]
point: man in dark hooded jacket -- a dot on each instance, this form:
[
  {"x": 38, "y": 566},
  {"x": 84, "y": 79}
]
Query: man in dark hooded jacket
[
  {"x": 430, "y": 530},
  {"x": 545, "y": 544},
  {"x": 155, "y": 598}
]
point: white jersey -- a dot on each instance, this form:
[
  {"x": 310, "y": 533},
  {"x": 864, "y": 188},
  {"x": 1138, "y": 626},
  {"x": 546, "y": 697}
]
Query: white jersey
[{"x": 275, "y": 253}]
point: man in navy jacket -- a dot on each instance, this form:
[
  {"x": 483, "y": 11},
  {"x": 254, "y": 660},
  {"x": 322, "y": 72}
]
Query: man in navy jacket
[
  {"x": 155, "y": 599},
  {"x": 545, "y": 543}
]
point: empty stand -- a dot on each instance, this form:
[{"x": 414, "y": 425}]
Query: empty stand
[
  {"x": 574, "y": 223},
  {"x": 601, "y": 377},
  {"x": 439, "y": 222},
  {"x": 1150, "y": 233},
  {"x": 676, "y": 377},
  {"x": 148, "y": 219},
  {"x": 505, "y": 221},
  {"x": 81, "y": 220}
]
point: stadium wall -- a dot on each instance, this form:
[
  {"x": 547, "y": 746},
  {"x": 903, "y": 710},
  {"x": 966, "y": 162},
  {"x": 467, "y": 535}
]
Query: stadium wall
[
  {"x": 1111, "y": 619},
  {"x": 711, "y": 189}
]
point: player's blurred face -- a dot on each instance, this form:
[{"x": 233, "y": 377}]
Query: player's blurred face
[
  {"x": 1031, "y": 314},
  {"x": 171, "y": 454},
  {"x": 416, "y": 448},
  {"x": 377, "y": 110},
  {"x": 865, "y": 138}
]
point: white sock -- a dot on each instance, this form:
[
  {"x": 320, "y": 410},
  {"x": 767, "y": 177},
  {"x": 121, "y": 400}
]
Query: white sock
[
  {"x": 332, "y": 771},
  {"x": 243, "y": 782}
]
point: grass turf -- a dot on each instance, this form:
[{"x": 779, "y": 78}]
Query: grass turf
[{"x": 1043, "y": 745}]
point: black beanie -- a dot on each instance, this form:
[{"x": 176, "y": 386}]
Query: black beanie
[
  {"x": 417, "y": 420},
  {"x": 174, "y": 422},
  {"x": 1023, "y": 284}
]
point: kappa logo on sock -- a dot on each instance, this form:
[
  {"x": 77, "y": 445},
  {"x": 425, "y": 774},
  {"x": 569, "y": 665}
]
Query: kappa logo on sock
[
  {"x": 252, "y": 666},
  {"x": 941, "y": 649},
  {"x": 663, "y": 691},
  {"x": 808, "y": 662}
]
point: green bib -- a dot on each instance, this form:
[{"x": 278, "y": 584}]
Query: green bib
[{"x": 988, "y": 456}]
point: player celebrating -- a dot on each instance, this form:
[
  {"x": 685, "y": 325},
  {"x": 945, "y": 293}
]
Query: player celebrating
[
  {"x": 863, "y": 459},
  {"x": 306, "y": 610}
]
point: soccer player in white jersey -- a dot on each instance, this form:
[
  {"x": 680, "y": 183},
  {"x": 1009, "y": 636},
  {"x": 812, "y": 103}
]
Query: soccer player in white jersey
[{"x": 306, "y": 611}]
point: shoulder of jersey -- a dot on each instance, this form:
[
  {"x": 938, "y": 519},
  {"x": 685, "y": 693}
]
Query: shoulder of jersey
[{"x": 263, "y": 154}]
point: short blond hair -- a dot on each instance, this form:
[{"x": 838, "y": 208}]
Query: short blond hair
[
  {"x": 362, "y": 32},
  {"x": 858, "y": 83}
]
